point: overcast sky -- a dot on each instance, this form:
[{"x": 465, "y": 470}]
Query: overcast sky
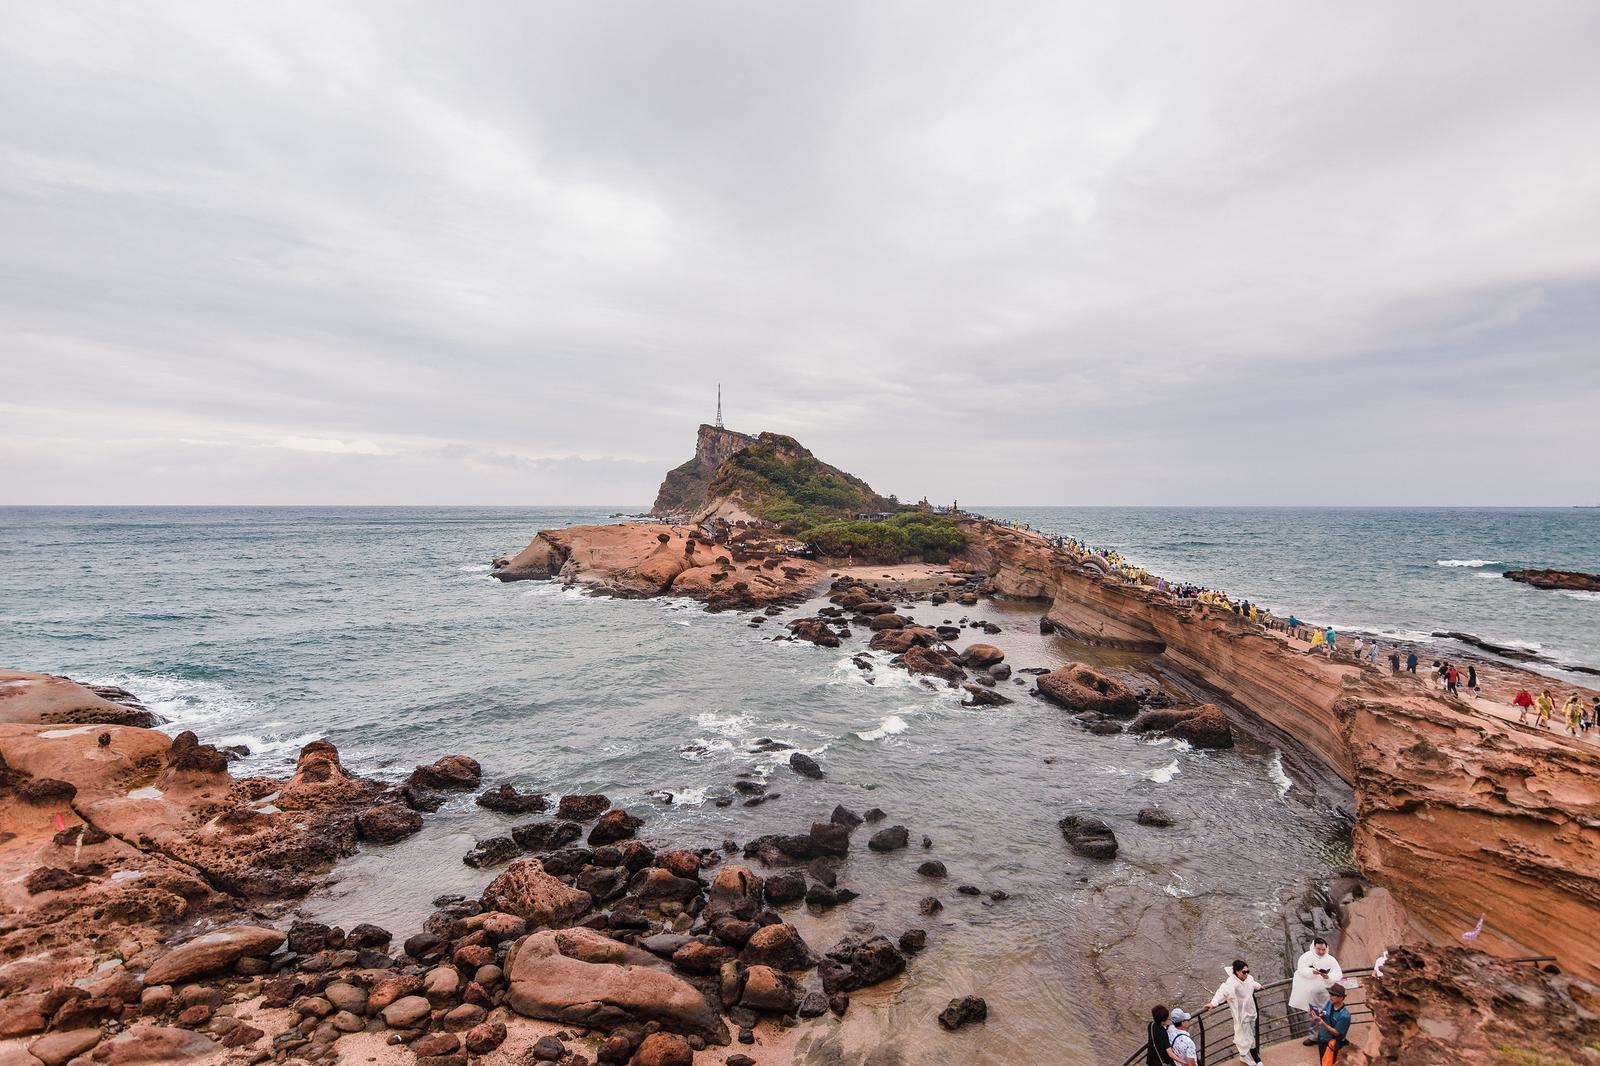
[{"x": 1097, "y": 253}]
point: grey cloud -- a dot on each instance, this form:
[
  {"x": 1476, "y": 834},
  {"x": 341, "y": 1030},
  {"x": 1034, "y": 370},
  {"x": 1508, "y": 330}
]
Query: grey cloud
[{"x": 1076, "y": 253}]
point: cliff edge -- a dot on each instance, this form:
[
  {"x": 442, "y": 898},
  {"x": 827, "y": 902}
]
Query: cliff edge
[{"x": 683, "y": 490}]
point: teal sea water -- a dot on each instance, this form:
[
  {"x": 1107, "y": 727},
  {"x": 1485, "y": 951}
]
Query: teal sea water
[
  {"x": 1401, "y": 572},
  {"x": 382, "y": 630}
]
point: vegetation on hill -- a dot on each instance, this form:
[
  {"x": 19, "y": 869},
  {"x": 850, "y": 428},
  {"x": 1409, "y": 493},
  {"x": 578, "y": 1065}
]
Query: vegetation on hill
[
  {"x": 930, "y": 537},
  {"x": 777, "y": 479}
]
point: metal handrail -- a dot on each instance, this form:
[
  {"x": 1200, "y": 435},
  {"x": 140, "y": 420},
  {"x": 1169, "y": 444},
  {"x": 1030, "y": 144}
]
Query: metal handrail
[{"x": 1276, "y": 1021}]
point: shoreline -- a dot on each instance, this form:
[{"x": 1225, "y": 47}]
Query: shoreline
[{"x": 1073, "y": 603}]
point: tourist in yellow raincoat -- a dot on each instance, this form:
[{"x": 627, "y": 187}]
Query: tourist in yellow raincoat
[
  {"x": 1573, "y": 711},
  {"x": 1546, "y": 707}
]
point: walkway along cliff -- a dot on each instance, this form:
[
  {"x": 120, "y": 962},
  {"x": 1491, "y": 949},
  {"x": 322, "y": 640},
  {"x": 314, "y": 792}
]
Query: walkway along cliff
[{"x": 1458, "y": 814}]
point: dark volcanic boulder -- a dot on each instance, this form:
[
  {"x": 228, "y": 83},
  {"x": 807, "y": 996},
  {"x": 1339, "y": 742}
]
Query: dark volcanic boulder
[
  {"x": 491, "y": 852},
  {"x": 892, "y": 839},
  {"x": 1154, "y": 817},
  {"x": 963, "y": 1011},
  {"x": 804, "y": 765},
  {"x": 507, "y": 799},
  {"x": 859, "y": 961},
  {"x": 830, "y": 839},
  {"x": 454, "y": 773},
  {"x": 1089, "y": 837},
  {"x": 787, "y": 887},
  {"x": 1080, "y": 687},
  {"x": 546, "y": 836},
  {"x": 387, "y": 823},
  {"x": 614, "y": 825},
  {"x": 580, "y": 807}
]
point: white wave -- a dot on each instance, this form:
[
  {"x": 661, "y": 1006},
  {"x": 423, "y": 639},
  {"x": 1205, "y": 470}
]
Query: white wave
[
  {"x": 1468, "y": 562},
  {"x": 686, "y": 797},
  {"x": 725, "y": 725},
  {"x": 475, "y": 568},
  {"x": 888, "y": 727},
  {"x": 1162, "y": 774},
  {"x": 217, "y": 714},
  {"x": 1581, "y": 594},
  {"x": 1280, "y": 777},
  {"x": 701, "y": 748}
]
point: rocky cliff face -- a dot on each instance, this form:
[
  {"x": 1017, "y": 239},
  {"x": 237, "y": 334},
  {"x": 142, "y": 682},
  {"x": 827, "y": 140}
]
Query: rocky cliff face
[
  {"x": 1457, "y": 813},
  {"x": 1447, "y": 1006},
  {"x": 683, "y": 491}
]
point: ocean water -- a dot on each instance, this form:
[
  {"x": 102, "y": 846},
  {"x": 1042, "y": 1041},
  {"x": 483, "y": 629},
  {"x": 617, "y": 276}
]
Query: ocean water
[
  {"x": 382, "y": 630},
  {"x": 1401, "y": 572}
]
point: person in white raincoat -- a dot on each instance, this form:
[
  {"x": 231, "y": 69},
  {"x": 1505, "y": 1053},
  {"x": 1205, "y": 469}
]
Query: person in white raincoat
[
  {"x": 1239, "y": 993},
  {"x": 1316, "y": 970}
]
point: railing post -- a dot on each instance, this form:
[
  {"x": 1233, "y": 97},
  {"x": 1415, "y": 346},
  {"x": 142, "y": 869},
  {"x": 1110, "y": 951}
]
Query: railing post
[{"x": 1200, "y": 1049}]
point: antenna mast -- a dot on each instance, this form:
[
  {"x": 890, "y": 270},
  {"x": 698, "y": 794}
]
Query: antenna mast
[{"x": 719, "y": 406}]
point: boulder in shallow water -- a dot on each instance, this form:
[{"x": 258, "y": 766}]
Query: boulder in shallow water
[
  {"x": 964, "y": 1011},
  {"x": 491, "y": 852},
  {"x": 1080, "y": 687},
  {"x": 804, "y": 765},
  {"x": 613, "y": 826},
  {"x": 387, "y": 823},
  {"x": 580, "y": 807},
  {"x": 892, "y": 839},
  {"x": 1204, "y": 726},
  {"x": 926, "y": 661},
  {"x": 1155, "y": 817},
  {"x": 546, "y": 836},
  {"x": 981, "y": 656},
  {"x": 508, "y": 800},
  {"x": 453, "y": 773},
  {"x": 978, "y": 696},
  {"x": 1089, "y": 837}
]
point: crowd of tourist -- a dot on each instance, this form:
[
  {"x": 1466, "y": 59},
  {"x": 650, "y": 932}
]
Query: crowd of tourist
[
  {"x": 1578, "y": 718},
  {"x": 1318, "y": 989}
]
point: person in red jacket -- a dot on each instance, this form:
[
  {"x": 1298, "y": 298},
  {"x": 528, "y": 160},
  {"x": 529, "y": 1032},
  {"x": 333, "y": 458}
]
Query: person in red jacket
[{"x": 1523, "y": 702}]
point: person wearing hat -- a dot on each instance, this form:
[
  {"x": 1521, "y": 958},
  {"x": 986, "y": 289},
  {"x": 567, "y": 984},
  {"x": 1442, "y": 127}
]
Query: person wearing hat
[
  {"x": 1184, "y": 1052},
  {"x": 1332, "y": 1025}
]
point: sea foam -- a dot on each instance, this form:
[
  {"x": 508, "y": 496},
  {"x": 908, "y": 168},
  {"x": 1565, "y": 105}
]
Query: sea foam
[
  {"x": 890, "y": 725},
  {"x": 1467, "y": 562}
]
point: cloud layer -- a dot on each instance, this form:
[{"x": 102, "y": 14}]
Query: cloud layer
[{"x": 1088, "y": 253}]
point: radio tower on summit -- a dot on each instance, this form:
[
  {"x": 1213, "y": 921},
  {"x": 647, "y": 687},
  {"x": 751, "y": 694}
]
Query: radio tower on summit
[{"x": 719, "y": 406}]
